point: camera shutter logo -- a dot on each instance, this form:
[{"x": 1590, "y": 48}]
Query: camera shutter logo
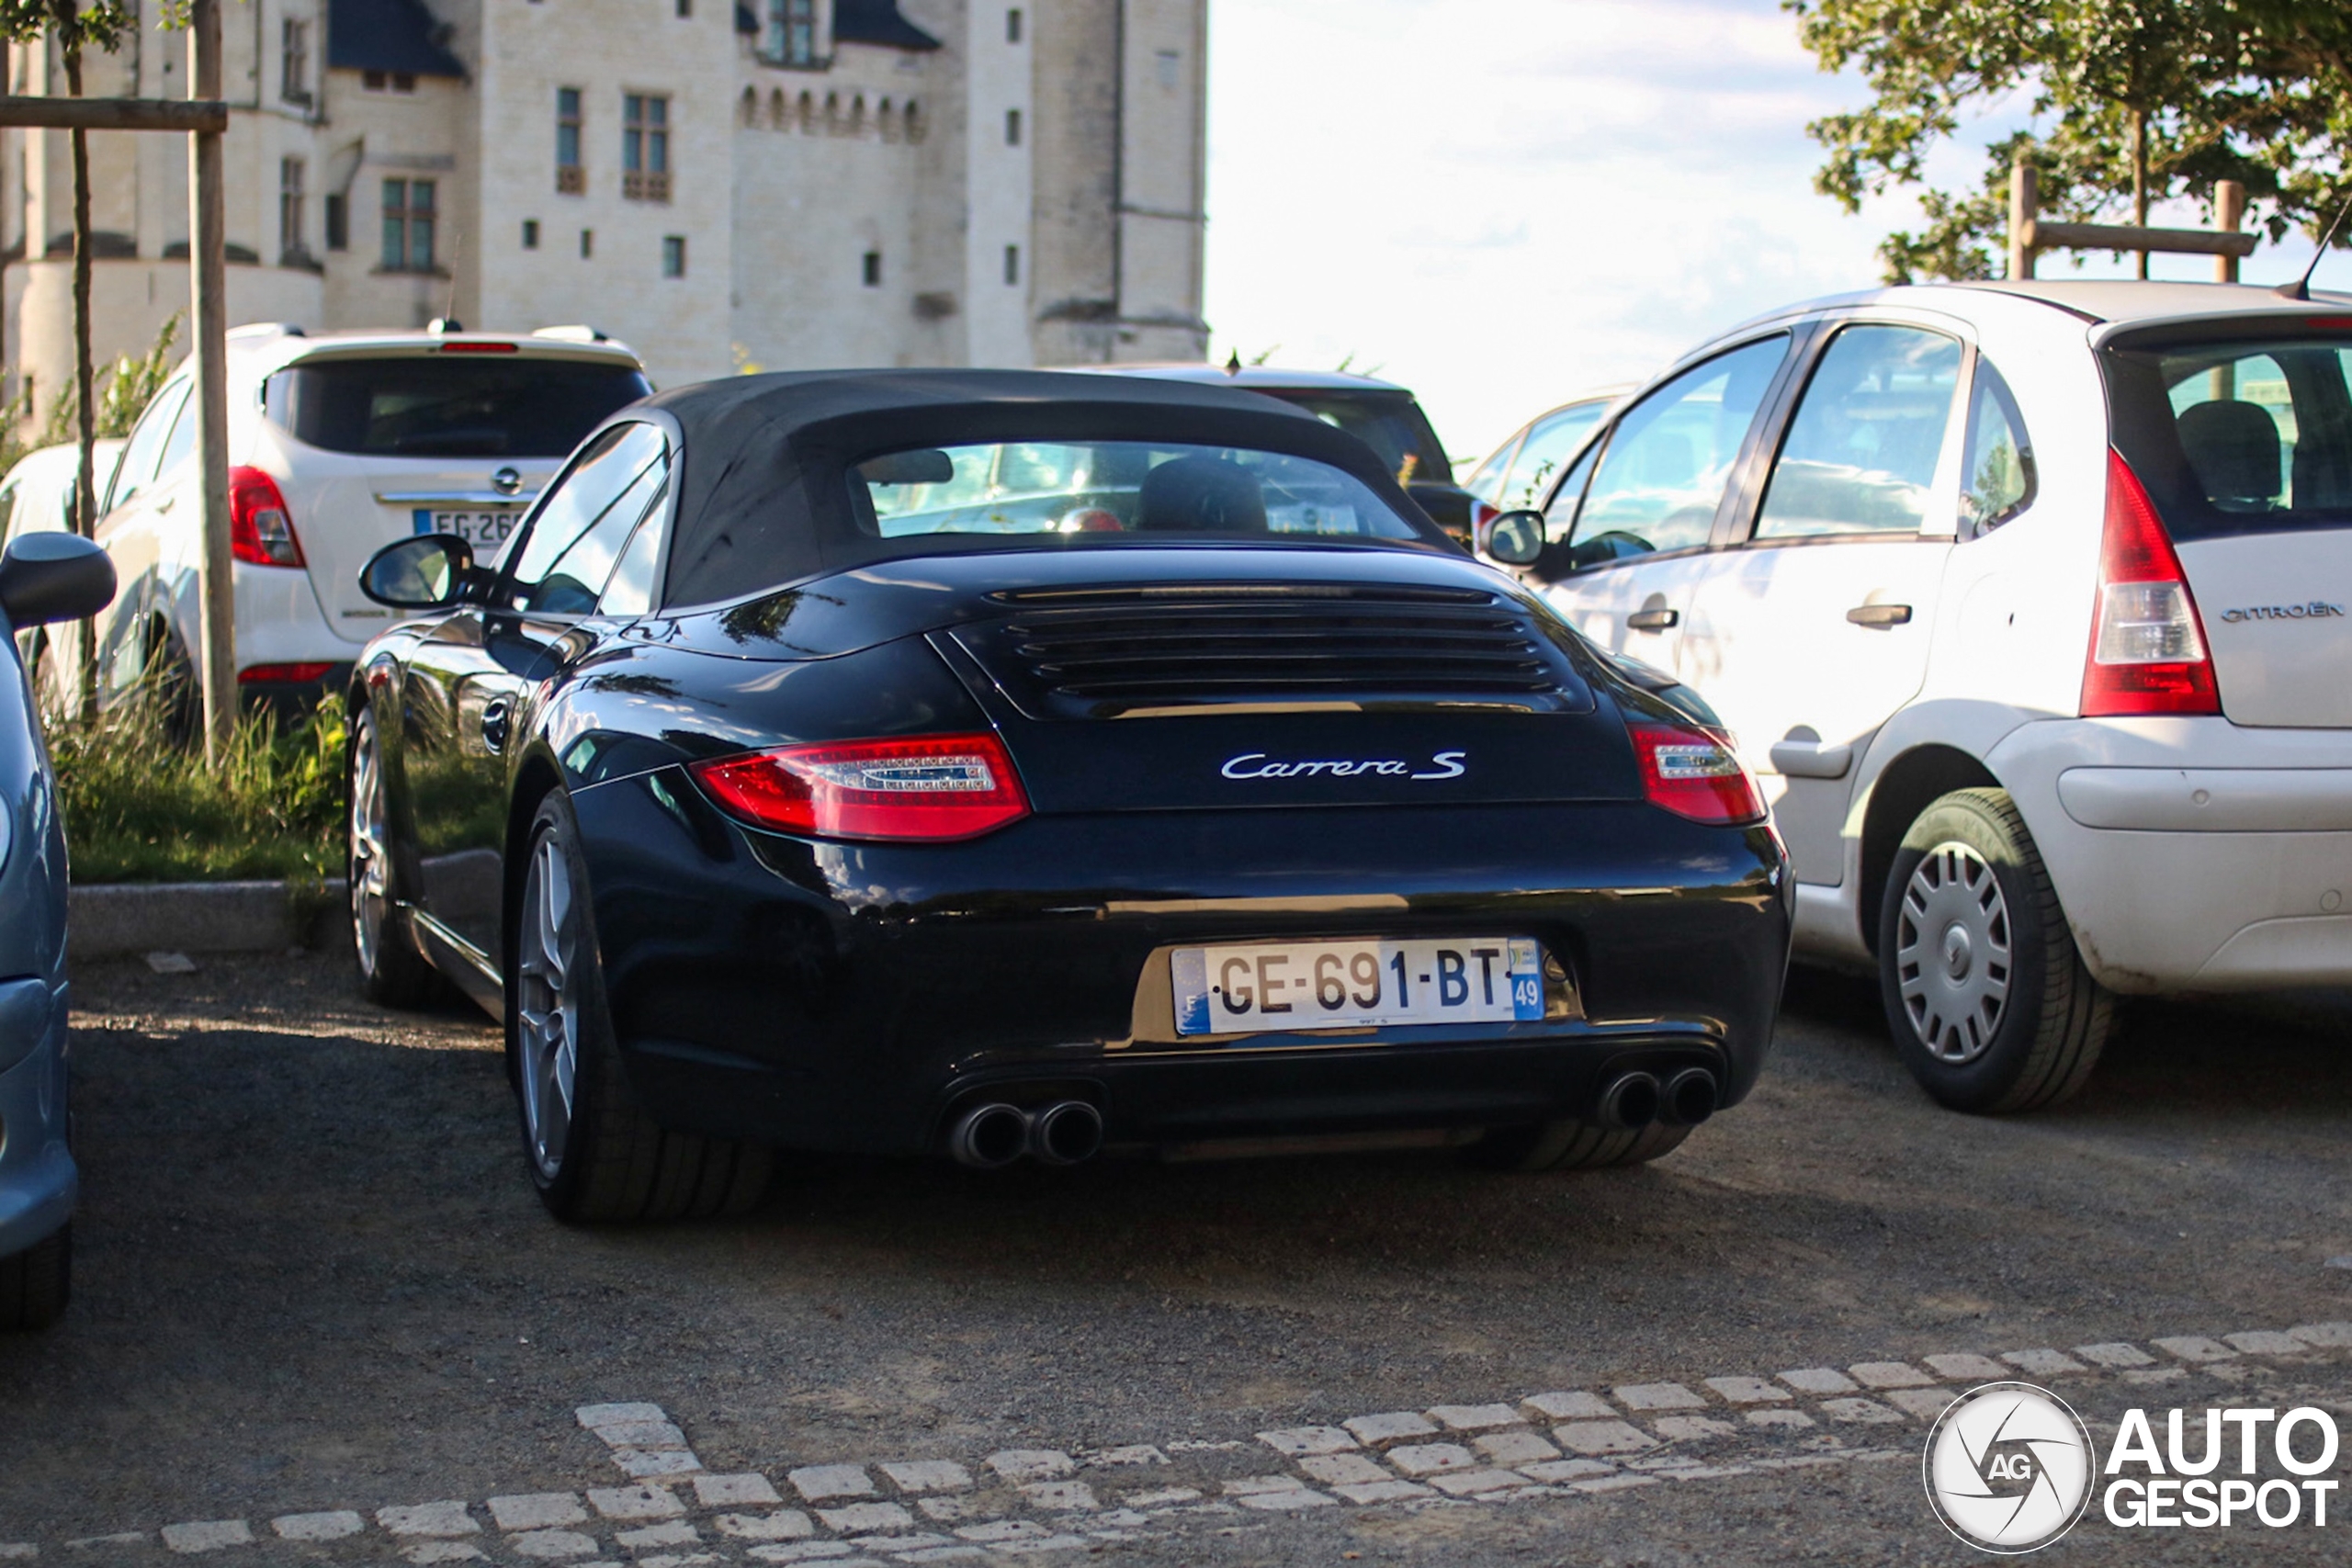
[{"x": 2009, "y": 1468}]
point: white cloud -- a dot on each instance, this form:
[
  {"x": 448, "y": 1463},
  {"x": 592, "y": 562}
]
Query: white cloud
[{"x": 1502, "y": 203}]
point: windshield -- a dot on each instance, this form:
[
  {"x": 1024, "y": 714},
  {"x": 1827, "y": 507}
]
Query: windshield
[
  {"x": 1393, "y": 426},
  {"x": 2243, "y": 434},
  {"x": 1098, "y": 492},
  {"x": 478, "y": 406}
]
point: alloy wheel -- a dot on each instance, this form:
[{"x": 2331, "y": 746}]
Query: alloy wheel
[
  {"x": 1953, "y": 957},
  {"x": 547, "y": 1012},
  {"x": 369, "y": 880}
]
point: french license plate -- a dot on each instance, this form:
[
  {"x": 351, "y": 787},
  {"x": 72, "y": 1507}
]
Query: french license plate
[
  {"x": 476, "y": 529},
  {"x": 1261, "y": 987}
]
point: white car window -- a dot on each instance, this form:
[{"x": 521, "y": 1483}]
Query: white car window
[
  {"x": 138, "y": 464},
  {"x": 1549, "y": 445},
  {"x": 1670, "y": 456},
  {"x": 1861, "y": 455},
  {"x": 1997, "y": 480}
]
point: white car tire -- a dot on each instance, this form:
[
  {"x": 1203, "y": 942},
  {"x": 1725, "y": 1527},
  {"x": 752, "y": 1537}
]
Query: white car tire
[{"x": 1988, "y": 1000}]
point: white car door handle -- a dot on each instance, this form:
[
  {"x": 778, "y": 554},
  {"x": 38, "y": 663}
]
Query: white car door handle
[
  {"x": 1811, "y": 759},
  {"x": 1653, "y": 620},
  {"x": 1880, "y": 615}
]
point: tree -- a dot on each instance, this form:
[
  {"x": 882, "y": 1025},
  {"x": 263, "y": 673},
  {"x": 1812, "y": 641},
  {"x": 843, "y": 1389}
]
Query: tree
[
  {"x": 74, "y": 27},
  {"x": 2132, "y": 102}
]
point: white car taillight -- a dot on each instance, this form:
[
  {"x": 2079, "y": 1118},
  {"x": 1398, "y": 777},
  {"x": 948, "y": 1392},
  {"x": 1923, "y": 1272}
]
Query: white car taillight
[{"x": 2147, "y": 653}]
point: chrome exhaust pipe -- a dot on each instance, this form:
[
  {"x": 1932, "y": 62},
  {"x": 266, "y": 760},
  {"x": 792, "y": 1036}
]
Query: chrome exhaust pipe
[
  {"x": 1631, "y": 1103},
  {"x": 1066, "y": 1133},
  {"x": 1690, "y": 1097},
  {"x": 989, "y": 1137}
]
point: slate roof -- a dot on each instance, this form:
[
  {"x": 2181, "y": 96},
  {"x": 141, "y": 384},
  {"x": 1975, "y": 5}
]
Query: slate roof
[
  {"x": 878, "y": 21},
  {"x": 387, "y": 35}
]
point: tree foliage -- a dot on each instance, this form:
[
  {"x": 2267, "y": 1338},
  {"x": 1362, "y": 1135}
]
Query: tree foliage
[{"x": 2132, "y": 102}]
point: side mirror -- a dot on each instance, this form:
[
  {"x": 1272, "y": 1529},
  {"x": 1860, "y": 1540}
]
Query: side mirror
[
  {"x": 54, "y": 576},
  {"x": 430, "y": 572},
  {"x": 1513, "y": 538}
]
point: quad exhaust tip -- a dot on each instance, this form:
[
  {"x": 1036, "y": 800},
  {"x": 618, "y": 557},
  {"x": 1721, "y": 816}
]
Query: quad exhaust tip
[
  {"x": 1691, "y": 1096},
  {"x": 994, "y": 1134},
  {"x": 1631, "y": 1102}
]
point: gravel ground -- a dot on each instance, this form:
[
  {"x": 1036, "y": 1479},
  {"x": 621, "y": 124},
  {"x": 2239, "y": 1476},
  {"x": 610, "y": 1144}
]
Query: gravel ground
[{"x": 310, "y": 1275}]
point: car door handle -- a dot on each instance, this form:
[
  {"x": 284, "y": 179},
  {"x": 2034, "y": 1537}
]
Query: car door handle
[
  {"x": 1880, "y": 615},
  {"x": 1811, "y": 759},
  {"x": 168, "y": 503},
  {"x": 1653, "y": 620},
  {"x": 497, "y": 719}
]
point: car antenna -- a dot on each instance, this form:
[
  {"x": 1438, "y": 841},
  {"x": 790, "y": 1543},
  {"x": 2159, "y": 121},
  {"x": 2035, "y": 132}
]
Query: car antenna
[
  {"x": 2302, "y": 287},
  {"x": 1233, "y": 363}
]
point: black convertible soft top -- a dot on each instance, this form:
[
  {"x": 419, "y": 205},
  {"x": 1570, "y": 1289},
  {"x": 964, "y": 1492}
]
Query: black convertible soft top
[{"x": 762, "y": 497}]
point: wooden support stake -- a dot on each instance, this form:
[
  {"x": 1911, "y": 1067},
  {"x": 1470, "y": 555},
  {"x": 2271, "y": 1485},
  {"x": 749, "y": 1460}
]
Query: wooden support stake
[
  {"x": 2025, "y": 189},
  {"x": 2229, "y": 212},
  {"x": 208, "y": 288}
]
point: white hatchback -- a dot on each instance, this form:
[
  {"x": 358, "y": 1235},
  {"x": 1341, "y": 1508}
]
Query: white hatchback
[
  {"x": 2027, "y": 603},
  {"x": 337, "y": 445}
]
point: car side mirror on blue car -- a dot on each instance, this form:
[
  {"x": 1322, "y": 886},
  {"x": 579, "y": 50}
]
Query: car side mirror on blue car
[
  {"x": 50, "y": 576},
  {"x": 430, "y": 572}
]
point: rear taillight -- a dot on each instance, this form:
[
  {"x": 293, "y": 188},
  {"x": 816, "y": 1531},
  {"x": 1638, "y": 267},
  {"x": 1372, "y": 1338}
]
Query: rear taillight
[
  {"x": 300, "y": 674},
  {"x": 1694, "y": 773},
  {"x": 2147, "y": 645},
  {"x": 933, "y": 787},
  {"x": 259, "y": 531}
]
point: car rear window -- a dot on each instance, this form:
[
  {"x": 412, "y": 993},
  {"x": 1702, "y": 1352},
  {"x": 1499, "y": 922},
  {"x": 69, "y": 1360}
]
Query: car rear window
[
  {"x": 1393, "y": 426},
  {"x": 1099, "y": 492},
  {"x": 2238, "y": 431},
  {"x": 433, "y": 407}
]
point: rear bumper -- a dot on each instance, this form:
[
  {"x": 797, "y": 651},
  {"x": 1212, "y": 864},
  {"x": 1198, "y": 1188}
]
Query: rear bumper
[
  {"x": 847, "y": 997},
  {"x": 2193, "y": 853},
  {"x": 38, "y": 1181},
  {"x": 291, "y": 700}
]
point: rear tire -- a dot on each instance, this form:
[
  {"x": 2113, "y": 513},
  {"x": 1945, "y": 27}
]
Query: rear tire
[
  {"x": 392, "y": 973},
  {"x": 1989, "y": 998},
  {"x": 591, "y": 1151},
  {"x": 36, "y": 1283},
  {"x": 1573, "y": 1145}
]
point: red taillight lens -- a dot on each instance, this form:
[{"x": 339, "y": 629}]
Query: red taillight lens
[
  {"x": 934, "y": 787},
  {"x": 1694, "y": 773},
  {"x": 259, "y": 531},
  {"x": 291, "y": 674},
  {"x": 478, "y": 348},
  {"x": 2147, "y": 645}
]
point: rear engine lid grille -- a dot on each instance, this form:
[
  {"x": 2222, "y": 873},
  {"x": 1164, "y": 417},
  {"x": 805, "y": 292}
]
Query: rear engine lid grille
[{"x": 1133, "y": 652}]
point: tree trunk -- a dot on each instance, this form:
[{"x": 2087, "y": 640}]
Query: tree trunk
[{"x": 2139, "y": 177}]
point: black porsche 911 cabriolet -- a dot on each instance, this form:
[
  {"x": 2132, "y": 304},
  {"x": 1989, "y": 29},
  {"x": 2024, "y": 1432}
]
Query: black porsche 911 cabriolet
[{"x": 1007, "y": 766}]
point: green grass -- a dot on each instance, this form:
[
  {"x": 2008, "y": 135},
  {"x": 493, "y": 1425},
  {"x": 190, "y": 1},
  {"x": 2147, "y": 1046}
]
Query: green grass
[{"x": 142, "y": 807}]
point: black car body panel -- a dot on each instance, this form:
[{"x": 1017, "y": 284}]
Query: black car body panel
[{"x": 1476, "y": 782}]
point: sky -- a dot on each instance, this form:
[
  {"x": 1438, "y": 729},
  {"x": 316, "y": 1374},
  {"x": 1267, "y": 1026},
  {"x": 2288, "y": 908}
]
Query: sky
[{"x": 1505, "y": 203}]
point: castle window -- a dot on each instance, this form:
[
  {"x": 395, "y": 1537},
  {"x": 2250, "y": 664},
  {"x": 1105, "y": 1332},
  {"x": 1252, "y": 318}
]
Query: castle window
[
  {"x": 873, "y": 269},
  {"x": 530, "y": 233},
  {"x": 807, "y": 113},
  {"x": 291, "y": 248},
  {"x": 673, "y": 255},
  {"x": 1166, "y": 61},
  {"x": 914, "y": 120},
  {"x": 1013, "y": 128},
  {"x": 1013, "y": 26},
  {"x": 645, "y": 147},
  {"x": 408, "y": 211},
  {"x": 587, "y": 243},
  {"x": 750, "y": 105},
  {"x": 1012, "y": 264},
  {"x": 792, "y": 32},
  {"x": 571, "y": 179},
  {"x": 294, "y": 79},
  {"x": 334, "y": 210}
]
